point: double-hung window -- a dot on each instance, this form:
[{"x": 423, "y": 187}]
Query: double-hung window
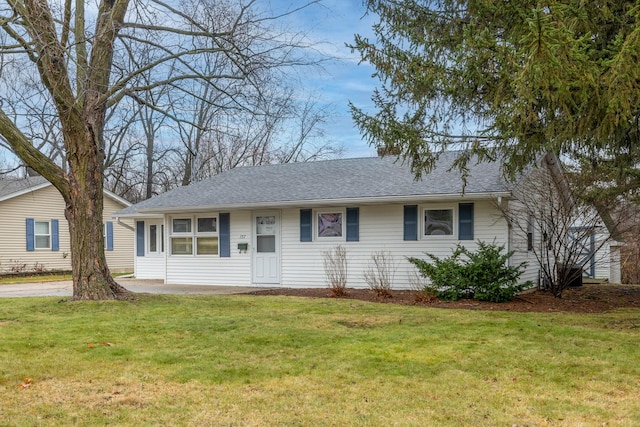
[
  {"x": 197, "y": 235},
  {"x": 42, "y": 234},
  {"x": 181, "y": 236},
  {"x": 207, "y": 236}
]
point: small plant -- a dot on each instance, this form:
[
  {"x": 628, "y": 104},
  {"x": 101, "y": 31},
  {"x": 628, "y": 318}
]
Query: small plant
[
  {"x": 335, "y": 268},
  {"x": 483, "y": 275},
  {"x": 39, "y": 268},
  {"x": 423, "y": 293},
  {"x": 379, "y": 274},
  {"x": 18, "y": 267}
]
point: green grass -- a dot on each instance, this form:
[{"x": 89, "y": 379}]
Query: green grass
[{"x": 243, "y": 360}]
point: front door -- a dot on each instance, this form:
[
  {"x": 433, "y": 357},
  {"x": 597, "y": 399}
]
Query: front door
[{"x": 266, "y": 247}]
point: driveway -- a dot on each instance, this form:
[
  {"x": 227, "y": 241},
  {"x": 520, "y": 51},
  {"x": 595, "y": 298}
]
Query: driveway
[{"x": 65, "y": 288}]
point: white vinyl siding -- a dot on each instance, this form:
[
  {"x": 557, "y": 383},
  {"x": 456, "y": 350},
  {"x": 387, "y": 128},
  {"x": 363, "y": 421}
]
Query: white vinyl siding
[
  {"x": 222, "y": 271},
  {"x": 380, "y": 226},
  {"x": 152, "y": 264},
  {"x": 602, "y": 257},
  {"x": 520, "y": 245}
]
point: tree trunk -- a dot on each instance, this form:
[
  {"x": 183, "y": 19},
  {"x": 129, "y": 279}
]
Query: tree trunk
[
  {"x": 84, "y": 208},
  {"x": 91, "y": 276}
]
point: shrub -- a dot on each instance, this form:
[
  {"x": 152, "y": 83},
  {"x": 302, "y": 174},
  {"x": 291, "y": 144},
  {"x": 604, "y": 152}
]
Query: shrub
[
  {"x": 422, "y": 292},
  {"x": 335, "y": 268},
  {"x": 483, "y": 275},
  {"x": 379, "y": 274}
]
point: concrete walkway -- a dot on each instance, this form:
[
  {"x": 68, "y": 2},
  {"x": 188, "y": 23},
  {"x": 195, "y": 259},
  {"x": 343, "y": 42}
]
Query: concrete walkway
[{"x": 65, "y": 288}]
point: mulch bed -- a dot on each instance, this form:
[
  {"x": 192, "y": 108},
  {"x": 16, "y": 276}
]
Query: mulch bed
[{"x": 588, "y": 298}]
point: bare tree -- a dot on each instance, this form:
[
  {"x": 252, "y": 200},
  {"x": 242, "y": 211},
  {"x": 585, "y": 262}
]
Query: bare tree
[
  {"x": 77, "y": 55},
  {"x": 556, "y": 226}
]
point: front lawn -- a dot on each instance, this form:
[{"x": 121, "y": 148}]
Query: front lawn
[{"x": 246, "y": 360}]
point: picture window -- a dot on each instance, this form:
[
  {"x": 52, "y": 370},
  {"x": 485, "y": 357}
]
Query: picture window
[
  {"x": 330, "y": 224},
  {"x": 438, "y": 222}
]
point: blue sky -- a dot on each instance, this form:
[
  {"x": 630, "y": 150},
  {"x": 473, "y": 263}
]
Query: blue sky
[{"x": 331, "y": 24}]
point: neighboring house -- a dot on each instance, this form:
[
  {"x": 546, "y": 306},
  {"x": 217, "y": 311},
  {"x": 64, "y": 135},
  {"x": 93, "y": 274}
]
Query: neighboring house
[
  {"x": 35, "y": 234},
  {"x": 271, "y": 225},
  {"x": 600, "y": 254}
]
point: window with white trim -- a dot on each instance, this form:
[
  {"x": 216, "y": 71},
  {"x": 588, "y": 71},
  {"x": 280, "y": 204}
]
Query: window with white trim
[
  {"x": 155, "y": 239},
  {"x": 187, "y": 239},
  {"x": 207, "y": 236},
  {"x": 330, "y": 224},
  {"x": 439, "y": 222},
  {"x": 42, "y": 234},
  {"x": 181, "y": 236}
]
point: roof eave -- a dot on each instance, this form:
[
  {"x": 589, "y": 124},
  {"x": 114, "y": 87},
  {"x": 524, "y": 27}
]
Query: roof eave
[{"x": 154, "y": 212}]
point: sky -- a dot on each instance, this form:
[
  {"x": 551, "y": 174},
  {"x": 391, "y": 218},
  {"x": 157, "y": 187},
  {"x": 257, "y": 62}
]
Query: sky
[{"x": 331, "y": 24}]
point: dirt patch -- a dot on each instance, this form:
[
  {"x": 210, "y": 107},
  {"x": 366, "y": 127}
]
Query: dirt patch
[{"x": 588, "y": 298}]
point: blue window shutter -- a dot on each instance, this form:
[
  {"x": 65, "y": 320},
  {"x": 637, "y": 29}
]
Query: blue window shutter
[
  {"x": 306, "y": 221},
  {"x": 225, "y": 235},
  {"x": 109, "y": 235},
  {"x": 411, "y": 222},
  {"x": 465, "y": 221},
  {"x": 140, "y": 238},
  {"x": 353, "y": 224},
  {"x": 31, "y": 239},
  {"x": 55, "y": 235}
]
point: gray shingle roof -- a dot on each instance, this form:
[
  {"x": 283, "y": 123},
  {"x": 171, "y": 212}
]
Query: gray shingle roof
[
  {"x": 323, "y": 181},
  {"x": 10, "y": 186}
]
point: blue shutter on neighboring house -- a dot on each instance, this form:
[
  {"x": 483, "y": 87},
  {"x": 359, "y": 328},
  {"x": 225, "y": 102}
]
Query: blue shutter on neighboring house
[
  {"x": 306, "y": 225},
  {"x": 411, "y": 222},
  {"x": 353, "y": 224},
  {"x": 109, "y": 235},
  {"x": 225, "y": 235},
  {"x": 465, "y": 221},
  {"x": 140, "y": 238},
  {"x": 31, "y": 239},
  {"x": 55, "y": 235}
]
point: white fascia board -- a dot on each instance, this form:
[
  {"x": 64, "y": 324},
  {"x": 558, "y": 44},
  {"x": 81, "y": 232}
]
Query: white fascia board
[
  {"x": 138, "y": 215},
  {"x": 325, "y": 202},
  {"x": 117, "y": 198}
]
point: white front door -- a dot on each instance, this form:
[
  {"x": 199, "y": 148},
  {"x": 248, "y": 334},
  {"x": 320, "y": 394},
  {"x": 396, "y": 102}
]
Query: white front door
[{"x": 266, "y": 247}]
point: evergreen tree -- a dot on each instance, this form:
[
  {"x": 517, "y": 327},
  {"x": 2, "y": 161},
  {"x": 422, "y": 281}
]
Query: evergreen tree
[{"x": 506, "y": 79}]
